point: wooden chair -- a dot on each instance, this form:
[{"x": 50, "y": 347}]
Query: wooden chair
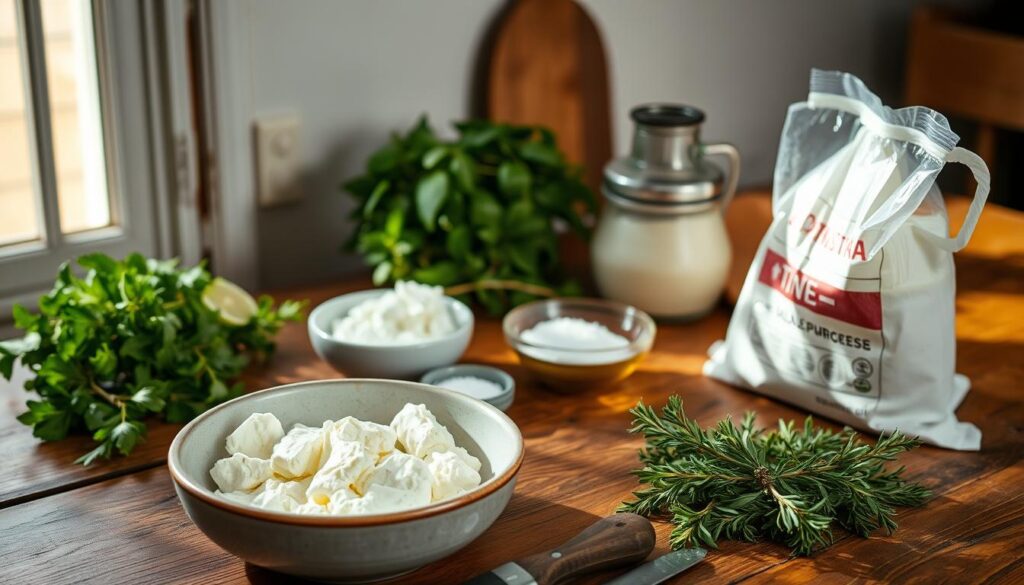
[{"x": 966, "y": 71}]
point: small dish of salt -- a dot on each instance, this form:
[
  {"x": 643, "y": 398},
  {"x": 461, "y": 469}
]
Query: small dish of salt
[
  {"x": 573, "y": 344},
  {"x": 575, "y": 341},
  {"x": 485, "y": 383}
]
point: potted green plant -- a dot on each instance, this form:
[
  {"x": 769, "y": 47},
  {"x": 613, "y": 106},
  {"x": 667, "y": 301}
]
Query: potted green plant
[{"x": 475, "y": 214}]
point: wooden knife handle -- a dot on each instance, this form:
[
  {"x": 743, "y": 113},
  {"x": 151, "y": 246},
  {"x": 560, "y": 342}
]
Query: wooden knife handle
[{"x": 614, "y": 541}]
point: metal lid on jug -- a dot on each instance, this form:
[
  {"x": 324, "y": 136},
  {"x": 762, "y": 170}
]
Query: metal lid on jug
[{"x": 666, "y": 169}]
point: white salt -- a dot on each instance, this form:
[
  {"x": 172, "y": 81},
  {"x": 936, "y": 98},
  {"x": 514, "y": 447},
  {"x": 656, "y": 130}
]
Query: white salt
[
  {"x": 476, "y": 387},
  {"x": 573, "y": 341},
  {"x": 410, "y": 313}
]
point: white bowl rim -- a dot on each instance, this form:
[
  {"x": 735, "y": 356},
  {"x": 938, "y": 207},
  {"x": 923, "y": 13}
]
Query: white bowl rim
[
  {"x": 460, "y": 329},
  {"x": 484, "y": 489}
]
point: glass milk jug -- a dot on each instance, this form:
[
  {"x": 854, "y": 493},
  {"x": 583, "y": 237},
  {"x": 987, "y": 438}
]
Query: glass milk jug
[{"x": 661, "y": 244}]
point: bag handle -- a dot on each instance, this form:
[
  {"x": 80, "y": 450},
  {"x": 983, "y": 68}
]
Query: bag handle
[{"x": 981, "y": 176}]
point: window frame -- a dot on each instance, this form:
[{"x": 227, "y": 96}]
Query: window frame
[
  {"x": 225, "y": 108},
  {"x": 145, "y": 110}
]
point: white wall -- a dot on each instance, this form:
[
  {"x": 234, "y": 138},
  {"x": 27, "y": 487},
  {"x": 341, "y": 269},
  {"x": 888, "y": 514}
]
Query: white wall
[
  {"x": 359, "y": 69},
  {"x": 744, "y": 61},
  {"x": 355, "y": 71}
]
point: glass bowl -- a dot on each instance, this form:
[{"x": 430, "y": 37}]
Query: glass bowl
[{"x": 568, "y": 369}]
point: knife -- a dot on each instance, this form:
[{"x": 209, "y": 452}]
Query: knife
[
  {"x": 662, "y": 568},
  {"x": 619, "y": 539}
]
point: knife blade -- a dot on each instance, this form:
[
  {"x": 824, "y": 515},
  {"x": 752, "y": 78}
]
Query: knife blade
[
  {"x": 662, "y": 568},
  {"x": 619, "y": 539}
]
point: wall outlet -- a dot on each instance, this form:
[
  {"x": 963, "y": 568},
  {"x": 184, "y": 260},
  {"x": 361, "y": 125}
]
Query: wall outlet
[{"x": 278, "y": 177}]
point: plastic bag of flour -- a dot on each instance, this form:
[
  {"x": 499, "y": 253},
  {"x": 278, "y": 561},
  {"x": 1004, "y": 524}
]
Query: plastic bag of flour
[{"x": 848, "y": 307}]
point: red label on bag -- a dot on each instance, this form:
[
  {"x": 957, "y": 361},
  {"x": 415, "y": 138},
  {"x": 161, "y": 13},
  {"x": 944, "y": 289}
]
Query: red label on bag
[{"x": 863, "y": 309}]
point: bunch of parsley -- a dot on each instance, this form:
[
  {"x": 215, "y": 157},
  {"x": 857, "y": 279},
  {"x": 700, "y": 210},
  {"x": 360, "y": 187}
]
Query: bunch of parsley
[
  {"x": 129, "y": 339},
  {"x": 473, "y": 214}
]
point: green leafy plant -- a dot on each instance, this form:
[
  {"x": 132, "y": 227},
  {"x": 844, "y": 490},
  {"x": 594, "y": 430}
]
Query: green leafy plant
[
  {"x": 130, "y": 339},
  {"x": 473, "y": 214},
  {"x": 790, "y": 485}
]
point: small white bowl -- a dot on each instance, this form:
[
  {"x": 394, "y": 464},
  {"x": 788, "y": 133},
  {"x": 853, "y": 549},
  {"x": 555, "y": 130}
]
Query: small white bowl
[
  {"x": 365, "y": 360},
  {"x": 506, "y": 382},
  {"x": 349, "y": 549}
]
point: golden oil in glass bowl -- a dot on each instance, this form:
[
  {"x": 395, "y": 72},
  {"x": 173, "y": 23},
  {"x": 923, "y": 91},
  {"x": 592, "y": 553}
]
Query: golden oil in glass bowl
[
  {"x": 566, "y": 369},
  {"x": 571, "y": 378}
]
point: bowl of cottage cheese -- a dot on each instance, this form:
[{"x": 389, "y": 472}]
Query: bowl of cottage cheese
[
  {"x": 399, "y": 332},
  {"x": 346, "y": 480}
]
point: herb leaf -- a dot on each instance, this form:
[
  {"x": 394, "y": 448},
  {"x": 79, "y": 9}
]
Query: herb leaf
[
  {"x": 474, "y": 214},
  {"x": 513, "y": 179},
  {"x": 430, "y": 194},
  {"x": 130, "y": 339}
]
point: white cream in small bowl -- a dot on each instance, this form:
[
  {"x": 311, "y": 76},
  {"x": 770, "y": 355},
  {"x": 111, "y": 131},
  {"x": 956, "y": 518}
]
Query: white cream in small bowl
[
  {"x": 391, "y": 333},
  {"x": 409, "y": 313}
]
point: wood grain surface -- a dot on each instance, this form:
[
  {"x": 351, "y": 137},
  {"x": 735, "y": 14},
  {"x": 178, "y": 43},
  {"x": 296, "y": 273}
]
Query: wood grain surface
[
  {"x": 120, "y": 522},
  {"x": 549, "y": 68}
]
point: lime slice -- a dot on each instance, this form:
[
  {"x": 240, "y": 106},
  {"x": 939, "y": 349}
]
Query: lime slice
[{"x": 234, "y": 305}]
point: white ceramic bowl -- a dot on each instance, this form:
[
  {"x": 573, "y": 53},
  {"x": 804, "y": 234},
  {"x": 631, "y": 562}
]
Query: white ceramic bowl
[
  {"x": 385, "y": 361},
  {"x": 347, "y": 549}
]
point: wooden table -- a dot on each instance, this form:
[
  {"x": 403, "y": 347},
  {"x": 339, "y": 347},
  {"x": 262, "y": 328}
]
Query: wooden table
[{"x": 120, "y": 522}]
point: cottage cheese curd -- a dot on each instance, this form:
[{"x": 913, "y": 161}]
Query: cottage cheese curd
[
  {"x": 404, "y": 473},
  {"x": 344, "y": 467},
  {"x": 256, "y": 436},
  {"x": 452, "y": 474},
  {"x": 378, "y": 439},
  {"x": 240, "y": 472},
  {"x": 281, "y": 496},
  {"x": 298, "y": 452},
  {"x": 419, "y": 431},
  {"x": 347, "y": 464}
]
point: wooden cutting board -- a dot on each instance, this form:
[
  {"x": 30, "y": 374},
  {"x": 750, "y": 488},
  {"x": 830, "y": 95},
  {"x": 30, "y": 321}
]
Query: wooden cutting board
[{"x": 548, "y": 67}]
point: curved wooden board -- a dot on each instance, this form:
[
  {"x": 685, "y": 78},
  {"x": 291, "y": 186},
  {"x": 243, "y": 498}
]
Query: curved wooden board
[{"x": 548, "y": 67}]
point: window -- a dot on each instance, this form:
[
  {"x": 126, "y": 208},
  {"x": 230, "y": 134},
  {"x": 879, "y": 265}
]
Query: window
[
  {"x": 76, "y": 132},
  {"x": 83, "y": 137},
  {"x": 19, "y": 216},
  {"x": 76, "y": 127}
]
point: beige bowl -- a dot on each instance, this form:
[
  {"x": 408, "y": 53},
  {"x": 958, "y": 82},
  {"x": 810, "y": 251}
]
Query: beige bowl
[{"x": 348, "y": 549}]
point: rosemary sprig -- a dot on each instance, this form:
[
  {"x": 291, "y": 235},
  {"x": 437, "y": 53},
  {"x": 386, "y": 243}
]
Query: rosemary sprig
[{"x": 790, "y": 485}]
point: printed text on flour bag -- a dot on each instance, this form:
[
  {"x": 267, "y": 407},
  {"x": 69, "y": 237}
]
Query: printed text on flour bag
[
  {"x": 819, "y": 333},
  {"x": 863, "y": 309}
]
